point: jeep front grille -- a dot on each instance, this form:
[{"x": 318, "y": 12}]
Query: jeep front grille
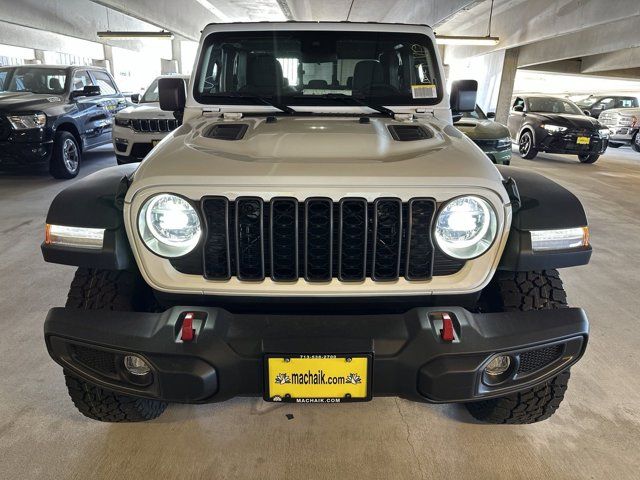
[
  {"x": 155, "y": 125},
  {"x": 318, "y": 240}
]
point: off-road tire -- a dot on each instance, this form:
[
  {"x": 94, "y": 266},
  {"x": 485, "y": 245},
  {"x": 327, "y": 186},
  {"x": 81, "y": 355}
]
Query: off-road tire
[
  {"x": 588, "y": 157},
  {"x": 93, "y": 289},
  {"x": 513, "y": 291},
  {"x": 106, "y": 406},
  {"x": 526, "y": 146},
  {"x": 57, "y": 166}
]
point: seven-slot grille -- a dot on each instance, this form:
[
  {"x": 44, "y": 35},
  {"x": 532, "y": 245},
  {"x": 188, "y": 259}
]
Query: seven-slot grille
[
  {"x": 155, "y": 125},
  {"x": 319, "y": 239}
]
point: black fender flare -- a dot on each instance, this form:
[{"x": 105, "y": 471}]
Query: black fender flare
[
  {"x": 95, "y": 201},
  {"x": 544, "y": 205}
]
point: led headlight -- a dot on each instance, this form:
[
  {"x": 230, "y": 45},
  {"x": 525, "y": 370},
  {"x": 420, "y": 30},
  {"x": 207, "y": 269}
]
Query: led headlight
[
  {"x": 169, "y": 225},
  {"x": 553, "y": 128},
  {"x": 123, "y": 122},
  {"x": 25, "y": 122},
  {"x": 466, "y": 227},
  {"x": 604, "y": 132}
]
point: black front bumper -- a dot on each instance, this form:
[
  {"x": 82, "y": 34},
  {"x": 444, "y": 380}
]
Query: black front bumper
[
  {"x": 226, "y": 358},
  {"x": 24, "y": 154}
]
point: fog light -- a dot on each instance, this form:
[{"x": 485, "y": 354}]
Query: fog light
[
  {"x": 498, "y": 365},
  {"x": 136, "y": 365}
]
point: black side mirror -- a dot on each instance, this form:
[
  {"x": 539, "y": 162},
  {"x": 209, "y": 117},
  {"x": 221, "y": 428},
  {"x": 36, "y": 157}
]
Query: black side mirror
[
  {"x": 491, "y": 115},
  {"x": 87, "y": 91},
  {"x": 172, "y": 93},
  {"x": 135, "y": 98},
  {"x": 463, "y": 96},
  {"x": 518, "y": 108}
]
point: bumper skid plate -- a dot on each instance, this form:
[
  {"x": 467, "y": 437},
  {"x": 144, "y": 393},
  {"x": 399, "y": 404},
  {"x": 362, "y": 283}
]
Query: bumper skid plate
[{"x": 226, "y": 355}]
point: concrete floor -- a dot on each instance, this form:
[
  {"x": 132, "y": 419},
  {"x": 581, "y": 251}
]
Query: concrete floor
[{"x": 596, "y": 433}]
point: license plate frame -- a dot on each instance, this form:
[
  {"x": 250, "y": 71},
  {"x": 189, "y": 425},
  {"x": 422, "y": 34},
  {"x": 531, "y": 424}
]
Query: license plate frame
[
  {"x": 582, "y": 140},
  {"x": 311, "y": 360}
]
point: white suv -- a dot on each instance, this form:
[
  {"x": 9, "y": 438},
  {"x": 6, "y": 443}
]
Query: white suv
[{"x": 140, "y": 127}]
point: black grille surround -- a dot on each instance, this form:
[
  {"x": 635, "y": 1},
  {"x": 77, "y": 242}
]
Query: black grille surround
[{"x": 317, "y": 239}]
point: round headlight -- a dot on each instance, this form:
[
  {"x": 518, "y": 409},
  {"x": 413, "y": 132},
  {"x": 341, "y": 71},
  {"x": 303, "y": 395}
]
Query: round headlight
[
  {"x": 169, "y": 225},
  {"x": 466, "y": 227}
]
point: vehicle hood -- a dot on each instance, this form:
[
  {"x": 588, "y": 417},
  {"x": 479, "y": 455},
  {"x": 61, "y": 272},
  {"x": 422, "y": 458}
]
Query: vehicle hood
[
  {"x": 624, "y": 111},
  {"x": 295, "y": 152},
  {"x": 26, "y": 101},
  {"x": 482, "y": 129},
  {"x": 570, "y": 121},
  {"x": 144, "y": 111}
]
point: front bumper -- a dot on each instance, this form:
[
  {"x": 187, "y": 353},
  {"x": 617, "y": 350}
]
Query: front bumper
[
  {"x": 622, "y": 135},
  {"x": 226, "y": 358},
  {"x": 23, "y": 154},
  {"x": 566, "y": 143},
  {"x": 132, "y": 146}
]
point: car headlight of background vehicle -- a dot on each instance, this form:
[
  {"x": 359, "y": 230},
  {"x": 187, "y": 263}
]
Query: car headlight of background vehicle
[
  {"x": 123, "y": 122},
  {"x": 466, "y": 227},
  {"x": 169, "y": 225},
  {"x": 603, "y": 132},
  {"x": 25, "y": 122},
  {"x": 553, "y": 128}
]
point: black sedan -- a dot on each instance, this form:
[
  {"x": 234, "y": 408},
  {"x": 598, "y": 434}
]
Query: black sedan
[{"x": 555, "y": 125}]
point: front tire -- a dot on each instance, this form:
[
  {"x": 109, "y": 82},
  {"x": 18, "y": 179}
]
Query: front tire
[
  {"x": 66, "y": 156},
  {"x": 94, "y": 289},
  {"x": 636, "y": 142},
  {"x": 526, "y": 146},
  {"x": 522, "y": 291},
  {"x": 588, "y": 157}
]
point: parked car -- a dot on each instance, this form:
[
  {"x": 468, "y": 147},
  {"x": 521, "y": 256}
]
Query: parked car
[
  {"x": 623, "y": 124},
  {"x": 492, "y": 137},
  {"x": 50, "y": 115},
  {"x": 555, "y": 125},
  {"x": 316, "y": 247},
  {"x": 140, "y": 127},
  {"x": 594, "y": 105}
]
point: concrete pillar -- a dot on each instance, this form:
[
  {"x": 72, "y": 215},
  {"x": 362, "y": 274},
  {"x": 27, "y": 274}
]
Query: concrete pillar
[
  {"x": 39, "y": 57},
  {"x": 168, "y": 66},
  {"x": 176, "y": 53},
  {"x": 507, "y": 80},
  {"x": 108, "y": 58}
]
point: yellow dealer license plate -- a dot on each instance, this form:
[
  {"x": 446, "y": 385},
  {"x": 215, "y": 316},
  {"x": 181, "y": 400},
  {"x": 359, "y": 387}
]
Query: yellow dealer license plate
[
  {"x": 583, "y": 141},
  {"x": 317, "y": 378}
]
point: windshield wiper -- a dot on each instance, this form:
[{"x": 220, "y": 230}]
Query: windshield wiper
[
  {"x": 345, "y": 98},
  {"x": 255, "y": 98}
]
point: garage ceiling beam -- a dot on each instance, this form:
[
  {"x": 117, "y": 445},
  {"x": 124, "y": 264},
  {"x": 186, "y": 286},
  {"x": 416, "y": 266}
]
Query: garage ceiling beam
[{"x": 618, "y": 60}]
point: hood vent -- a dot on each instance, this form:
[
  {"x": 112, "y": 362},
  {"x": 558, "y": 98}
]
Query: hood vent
[
  {"x": 409, "y": 133},
  {"x": 226, "y": 131}
]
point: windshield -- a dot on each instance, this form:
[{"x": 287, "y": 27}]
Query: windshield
[
  {"x": 34, "y": 80},
  {"x": 151, "y": 95},
  {"x": 477, "y": 114},
  {"x": 553, "y": 105},
  {"x": 318, "y": 68}
]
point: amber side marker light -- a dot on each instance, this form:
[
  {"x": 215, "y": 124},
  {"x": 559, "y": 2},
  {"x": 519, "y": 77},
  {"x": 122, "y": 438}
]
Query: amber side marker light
[
  {"x": 560, "y": 239},
  {"x": 74, "y": 237}
]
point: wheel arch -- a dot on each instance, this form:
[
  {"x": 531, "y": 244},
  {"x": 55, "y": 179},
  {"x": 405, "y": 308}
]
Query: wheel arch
[
  {"x": 528, "y": 128},
  {"x": 544, "y": 205},
  {"x": 95, "y": 201},
  {"x": 69, "y": 126}
]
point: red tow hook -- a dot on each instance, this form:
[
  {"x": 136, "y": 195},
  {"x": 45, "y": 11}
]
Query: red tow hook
[
  {"x": 446, "y": 332},
  {"x": 188, "y": 332}
]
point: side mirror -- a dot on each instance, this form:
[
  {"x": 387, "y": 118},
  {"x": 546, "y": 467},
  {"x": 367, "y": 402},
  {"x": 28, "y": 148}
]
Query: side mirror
[
  {"x": 87, "y": 91},
  {"x": 135, "y": 98},
  {"x": 172, "y": 93},
  {"x": 518, "y": 108},
  {"x": 463, "y": 96},
  {"x": 491, "y": 114}
]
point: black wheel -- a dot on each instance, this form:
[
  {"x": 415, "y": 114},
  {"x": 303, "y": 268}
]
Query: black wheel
[
  {"x": 93, "y": 289},
  {"x": 635, "y": 144},
  {"x": 510, "y": 291},
  {"x": 66, "y": 156},
  {"x": 588, "y": 157},
  {"x": 526, "y": 147},
  {"x": 615, "y": 145}
]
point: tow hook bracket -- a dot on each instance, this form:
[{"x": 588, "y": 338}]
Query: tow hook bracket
[{"x": 188, "y": 333}]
